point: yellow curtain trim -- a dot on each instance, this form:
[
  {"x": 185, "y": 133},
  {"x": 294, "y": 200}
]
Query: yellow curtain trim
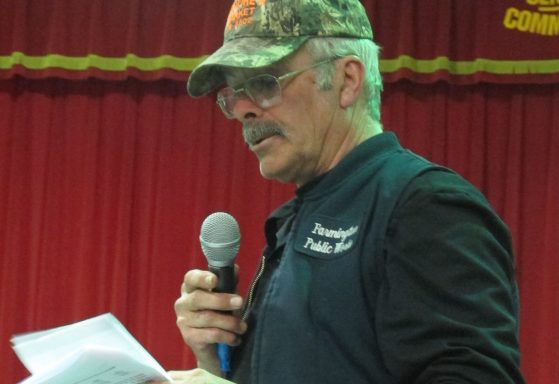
[
  {"x": 103, "y": 63},
  {"x": 499, "y": 67}
]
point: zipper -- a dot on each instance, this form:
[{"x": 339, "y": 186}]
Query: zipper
[
  {"x": 253, "y": 287},
  {"x": 261, "y": 267}
]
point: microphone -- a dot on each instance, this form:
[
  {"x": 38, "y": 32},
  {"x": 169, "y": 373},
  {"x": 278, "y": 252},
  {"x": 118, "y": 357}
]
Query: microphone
[{"x": 220, "y": 239}]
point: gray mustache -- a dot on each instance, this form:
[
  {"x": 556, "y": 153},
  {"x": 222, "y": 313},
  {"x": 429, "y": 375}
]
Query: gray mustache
[{"x": 253, "y": 132}]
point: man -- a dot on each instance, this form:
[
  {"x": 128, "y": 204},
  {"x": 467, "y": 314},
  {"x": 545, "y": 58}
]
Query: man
[{"x": 384, "y": 268}]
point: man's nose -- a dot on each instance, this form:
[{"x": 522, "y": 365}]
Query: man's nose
[{"x": 244, "y": 108}]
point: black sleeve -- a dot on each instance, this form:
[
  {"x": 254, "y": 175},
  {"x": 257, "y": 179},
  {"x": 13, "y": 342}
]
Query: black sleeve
[{"x": 448, "y": 304}]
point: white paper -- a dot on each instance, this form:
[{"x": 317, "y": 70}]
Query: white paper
[{"x": 95, "y": 351}]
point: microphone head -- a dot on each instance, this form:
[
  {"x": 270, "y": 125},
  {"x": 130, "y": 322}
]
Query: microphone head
[{"x": 220, "y": 238}]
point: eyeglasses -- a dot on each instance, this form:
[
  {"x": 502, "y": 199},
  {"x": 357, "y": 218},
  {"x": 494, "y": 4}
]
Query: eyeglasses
[{"x": 263, "y": 90}]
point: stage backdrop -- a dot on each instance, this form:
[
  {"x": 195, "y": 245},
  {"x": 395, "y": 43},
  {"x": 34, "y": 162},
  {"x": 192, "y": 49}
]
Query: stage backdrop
[{"x": 107, "y": 168}]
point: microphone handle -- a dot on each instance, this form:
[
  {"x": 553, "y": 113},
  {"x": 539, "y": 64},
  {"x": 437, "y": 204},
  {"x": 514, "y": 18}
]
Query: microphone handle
[
  {"x": 225, "y": 284},
  {"x": 225, "y": 278}
]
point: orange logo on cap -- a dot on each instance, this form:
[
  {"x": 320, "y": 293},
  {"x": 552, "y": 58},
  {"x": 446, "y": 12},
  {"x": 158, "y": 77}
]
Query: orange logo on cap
[{"x": 241, "y": 12}]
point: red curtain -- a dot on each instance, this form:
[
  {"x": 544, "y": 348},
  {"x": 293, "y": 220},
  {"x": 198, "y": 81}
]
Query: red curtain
[
  {"x": 103, "y": 189},
  {"x": 105, "y": 180}
]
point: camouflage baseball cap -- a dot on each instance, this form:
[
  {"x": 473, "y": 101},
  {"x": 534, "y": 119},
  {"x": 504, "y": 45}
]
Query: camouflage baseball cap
[{"x": 259, "y": 33}]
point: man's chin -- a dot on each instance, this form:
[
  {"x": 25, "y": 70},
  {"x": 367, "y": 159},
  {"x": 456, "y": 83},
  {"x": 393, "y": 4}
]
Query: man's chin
[{"x": 271, "y": 173}]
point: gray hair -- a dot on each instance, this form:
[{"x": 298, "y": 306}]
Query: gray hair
[{"x": 366, "y": 50}]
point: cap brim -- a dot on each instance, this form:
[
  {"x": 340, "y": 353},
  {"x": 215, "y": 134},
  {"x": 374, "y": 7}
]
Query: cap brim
[{"x": 245, "y": 52}]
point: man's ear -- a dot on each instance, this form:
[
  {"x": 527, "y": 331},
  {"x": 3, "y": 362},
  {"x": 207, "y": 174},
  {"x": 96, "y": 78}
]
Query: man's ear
[{"x": 353, "y": 72}]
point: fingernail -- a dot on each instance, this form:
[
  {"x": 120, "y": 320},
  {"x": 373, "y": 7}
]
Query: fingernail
[
  {"x": 209, "y": 280},
  {"x": 236, "y": 301}
]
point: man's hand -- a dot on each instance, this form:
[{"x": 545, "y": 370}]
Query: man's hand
[{"x": 205, "y": 318}]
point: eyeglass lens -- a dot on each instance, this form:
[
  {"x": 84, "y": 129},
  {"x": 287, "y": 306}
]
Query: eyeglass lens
[{"x": 263, "y": 90}]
